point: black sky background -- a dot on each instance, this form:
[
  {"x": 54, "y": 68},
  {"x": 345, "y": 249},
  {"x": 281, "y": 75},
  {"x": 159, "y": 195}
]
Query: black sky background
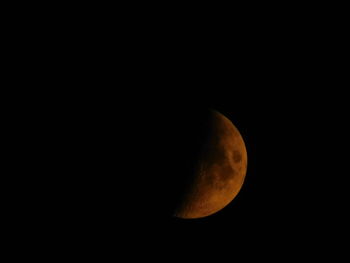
[
  {"x": 135, "y": 151},
  {"x": 120, "y": 118}
]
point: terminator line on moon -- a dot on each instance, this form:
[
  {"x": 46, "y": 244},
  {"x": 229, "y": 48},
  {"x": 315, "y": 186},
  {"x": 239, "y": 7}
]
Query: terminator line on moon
[{"x": 220, "y": 171}]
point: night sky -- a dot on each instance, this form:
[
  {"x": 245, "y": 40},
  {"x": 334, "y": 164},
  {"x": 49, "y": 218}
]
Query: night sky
[
  {"x": 108, "y": 103},
  {"x": 124, "y": 135},
  {"x": 135, "y": 152}
]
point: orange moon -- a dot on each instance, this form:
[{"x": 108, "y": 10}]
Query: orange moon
[{"x": 219, "y": 173}]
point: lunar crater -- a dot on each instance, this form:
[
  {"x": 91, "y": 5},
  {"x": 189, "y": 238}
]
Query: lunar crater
[{"x": 237, "y": 156}]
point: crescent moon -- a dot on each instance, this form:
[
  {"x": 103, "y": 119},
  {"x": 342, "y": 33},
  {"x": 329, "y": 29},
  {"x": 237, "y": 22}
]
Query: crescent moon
[{"x": 219, "y": 173}]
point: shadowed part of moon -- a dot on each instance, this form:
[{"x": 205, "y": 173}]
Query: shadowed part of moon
[{"x": 220, "y": 171}]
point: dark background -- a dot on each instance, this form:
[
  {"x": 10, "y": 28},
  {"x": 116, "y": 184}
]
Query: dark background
[
  {"x": 132, "y": 148},
  {"x": 116, "y": 117}
]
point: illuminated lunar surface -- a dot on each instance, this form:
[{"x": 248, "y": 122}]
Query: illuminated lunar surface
[{"x": 219, "y": 173}]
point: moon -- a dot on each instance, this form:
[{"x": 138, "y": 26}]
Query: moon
[{"x": 219, "y": 173}]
